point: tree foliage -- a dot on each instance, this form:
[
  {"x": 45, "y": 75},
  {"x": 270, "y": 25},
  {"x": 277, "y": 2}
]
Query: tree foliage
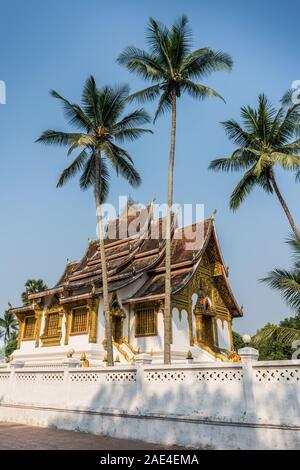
[
  {"x": 171, "y": 65},
  {"x": 32, "y": 286},
  {"x": 287, "y": 282},
  {"x": 276, "y": 342},
  {"x": 8, "y": 325},
  {"x": 267, "y": 138},
  {"x": 238, "y": 342},
  {"x": 101, "y": 126}
]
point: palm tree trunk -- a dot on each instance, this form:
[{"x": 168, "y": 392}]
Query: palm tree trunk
[
  {"x": 106, "y": 310},
  {"x": 284, "y": 205},
  {"x": 168, "y": 286}
]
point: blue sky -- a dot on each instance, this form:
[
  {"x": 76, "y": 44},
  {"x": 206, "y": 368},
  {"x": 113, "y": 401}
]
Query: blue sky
[{"x": 57, "y": 44}]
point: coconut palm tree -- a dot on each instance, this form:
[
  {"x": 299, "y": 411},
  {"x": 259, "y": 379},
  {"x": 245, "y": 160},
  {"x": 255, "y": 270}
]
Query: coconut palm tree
[
  {"x": 266, "y": 138},
  {"x": 172, "y": 67},
  {"x": 287, "y": 282},
  {"x": 275, "y": 341},
  {"x": 8, "y": 325},
  {"x": 33, "y": 286},
  {"x": 102, "y": 126},
  {"x": 11, "y": 344}
]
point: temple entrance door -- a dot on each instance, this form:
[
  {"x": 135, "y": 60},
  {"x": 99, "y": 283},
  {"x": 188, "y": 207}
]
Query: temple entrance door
[
  {"x": 208, "y": 331},
  {"x": 117, "y": 328}
]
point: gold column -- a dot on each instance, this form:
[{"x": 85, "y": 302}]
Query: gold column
[
  {"x": 198, "y": 319},
  {"x": 21, "y": 330},
  {"x": 68, "y": 321},
  {"x": 93, "y": 306},
  {"x": 38, "y": 313}
]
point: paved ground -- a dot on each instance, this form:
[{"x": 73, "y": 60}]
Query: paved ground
[{"x": 20, "y": 437}]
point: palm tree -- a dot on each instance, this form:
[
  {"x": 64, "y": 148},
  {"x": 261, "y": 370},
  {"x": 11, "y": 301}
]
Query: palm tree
[
  {"x": 172, "y": 66},
  {"x": 102, "y": 126},
  {"x": 275, "y": 341},
  {"x": 33, "y": 286},
  {"x": 287, "y": 282},
  {"x": 266, "y": 139},
  {"x": 11, "y": 344},
  {"x": 8, "y": 324}
]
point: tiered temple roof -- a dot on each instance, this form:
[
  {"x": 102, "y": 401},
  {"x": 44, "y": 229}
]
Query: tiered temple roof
[{"x": 129, "y": 257}]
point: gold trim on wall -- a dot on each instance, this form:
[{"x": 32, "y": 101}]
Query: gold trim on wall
[{"x": 93, "y": 306}]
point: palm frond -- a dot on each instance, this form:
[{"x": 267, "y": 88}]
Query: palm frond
[
  {"x": 164, "y": 104},
  {"x": 51, "y": 137},
  {"x": 295, "y": 145},
  {"x": 72, "y": 169},
  {"x": 74, "y": 114},
  {"x": 289, "y": 126},
  {"x": 121, "y": 161},
  {"x": 130, "y": 134},
  {"x": 272, "y": 333},
  {"x": 203, "y": 62},
  {"x": 144, "y": 64},
  {"x": 88, "y": 177},
  {"x": 240, "y": 160},
  {"x": 136, "y": 118},
  {"x": 288, "y": 284},
  {"x": 236, "y": 133},
  {"x": 265, "y": 117},
  {"x": 198, "y": 91},
  {"x": 112, "y": 103},
  {"x": 286, "y": 100},
  {"x": 180, "y": 41},
  {"x": 262, "y": 164},
  {"x": 147, "y": 94},
  {"x": 158, "y": 38},
  {"x": 294, "y": 243},
  {"x": 286, "y": 161},
  {"x": 242, "y": 190},
  {"x": 91, "y": 101}
]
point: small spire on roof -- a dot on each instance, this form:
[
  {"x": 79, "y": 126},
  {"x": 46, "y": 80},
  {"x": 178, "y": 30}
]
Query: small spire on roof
[{"x": 213, "y": 214}]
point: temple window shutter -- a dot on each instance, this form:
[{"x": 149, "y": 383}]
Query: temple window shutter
[
  {"x": 29, "y": 328},
  {"x": 52, "y": 324},
  {"x": 79, "y": 320},
  {"x": 145, "y": 321}
]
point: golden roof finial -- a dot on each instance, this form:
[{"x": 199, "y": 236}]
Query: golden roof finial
[
  {"x": 189, "y": 355},
  {"x": 213, "y": 214}
]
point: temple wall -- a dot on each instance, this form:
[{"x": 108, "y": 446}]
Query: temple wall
[
  {"x": 243, "y": 405},
  {"x": 223, "y": 334},
  {"x": 180, "y": 330}
]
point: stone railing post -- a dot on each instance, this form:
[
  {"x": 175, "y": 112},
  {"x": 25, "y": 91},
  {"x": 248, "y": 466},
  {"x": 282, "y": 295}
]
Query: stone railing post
[
  {"x": 70, "y": 363},
  {"x": 12, "y": 385},
  {"x": 248, "y": 355},
  {"x": 140, "y": 400}
]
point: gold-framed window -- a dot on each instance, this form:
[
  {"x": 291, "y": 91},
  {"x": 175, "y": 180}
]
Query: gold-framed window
[
  {"x": 79, "y": 323},
  {"x": 29, "y": 327},
  {"x": 145, "y": 321},
  {"x": 52, "y": 324}
]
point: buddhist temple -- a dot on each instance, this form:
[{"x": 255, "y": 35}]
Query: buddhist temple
[{"x": 68, "y": 321}]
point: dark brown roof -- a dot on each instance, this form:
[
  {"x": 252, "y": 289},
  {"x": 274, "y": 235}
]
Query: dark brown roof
[{"x": 131, "y": 257}]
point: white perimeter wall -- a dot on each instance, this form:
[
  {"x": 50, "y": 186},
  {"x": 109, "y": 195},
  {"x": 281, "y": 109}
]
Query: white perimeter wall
[{"x": 248, "y": 405}]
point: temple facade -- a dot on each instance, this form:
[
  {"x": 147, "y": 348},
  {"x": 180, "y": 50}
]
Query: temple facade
[{"x": 68, "y": 321}]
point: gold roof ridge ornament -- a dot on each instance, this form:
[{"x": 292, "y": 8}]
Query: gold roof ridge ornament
[
  {"x": 189, "y": 355},
  {"x": 213, "y": 214}
]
